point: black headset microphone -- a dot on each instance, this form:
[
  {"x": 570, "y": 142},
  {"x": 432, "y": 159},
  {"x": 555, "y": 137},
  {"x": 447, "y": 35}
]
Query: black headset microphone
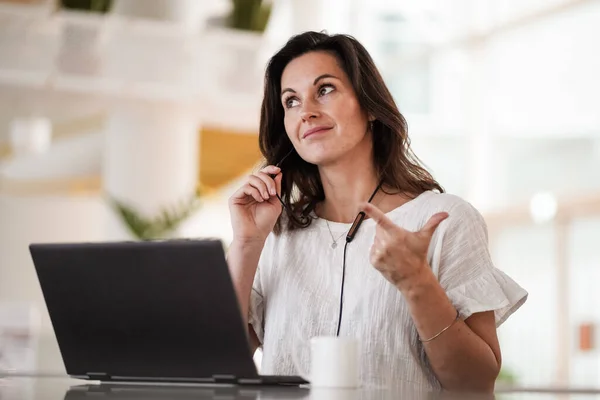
[{"x": 349, "y": 237}]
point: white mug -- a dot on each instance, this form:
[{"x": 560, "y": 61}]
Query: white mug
[{"x": 333, "y": 362}]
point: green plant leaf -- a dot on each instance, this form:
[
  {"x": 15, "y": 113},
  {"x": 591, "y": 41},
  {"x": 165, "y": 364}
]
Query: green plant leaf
[
  {"x": 506, "y": 376},
  {"x": 159, "y": 226},
  {"x": 249, "y": 15},
  {"x": 101, "y": 6}
]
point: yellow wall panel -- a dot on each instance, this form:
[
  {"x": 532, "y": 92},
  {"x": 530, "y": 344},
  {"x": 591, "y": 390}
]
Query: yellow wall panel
[{"x": 226, "y": 155}]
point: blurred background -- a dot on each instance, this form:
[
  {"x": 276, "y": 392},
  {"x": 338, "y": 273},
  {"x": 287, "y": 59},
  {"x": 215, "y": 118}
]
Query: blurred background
[{"x": 136, "y": 119}]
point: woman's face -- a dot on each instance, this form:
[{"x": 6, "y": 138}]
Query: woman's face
[{"x": 323, "y": 118}]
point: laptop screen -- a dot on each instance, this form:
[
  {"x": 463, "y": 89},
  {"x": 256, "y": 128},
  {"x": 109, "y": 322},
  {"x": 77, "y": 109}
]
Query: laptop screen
[{"x": 157, "y": 309}]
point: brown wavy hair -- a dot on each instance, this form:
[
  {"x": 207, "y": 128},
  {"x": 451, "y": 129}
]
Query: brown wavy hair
[{"x": 396, "y": 165}]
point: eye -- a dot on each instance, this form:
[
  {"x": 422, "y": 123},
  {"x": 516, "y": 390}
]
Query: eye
[
  {"x": 291, "y": 102},
  {"x": 326, "y": 89}
]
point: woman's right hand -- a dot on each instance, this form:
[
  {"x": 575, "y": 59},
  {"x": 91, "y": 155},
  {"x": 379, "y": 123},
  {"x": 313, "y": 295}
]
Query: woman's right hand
[{"x": 254, "y": 207}]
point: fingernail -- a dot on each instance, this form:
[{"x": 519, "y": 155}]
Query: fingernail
[{"x": 273, "y": 192}]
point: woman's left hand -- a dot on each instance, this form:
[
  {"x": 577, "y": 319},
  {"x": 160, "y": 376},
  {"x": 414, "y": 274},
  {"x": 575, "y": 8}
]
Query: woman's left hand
[{"x": 397, "y": 253}]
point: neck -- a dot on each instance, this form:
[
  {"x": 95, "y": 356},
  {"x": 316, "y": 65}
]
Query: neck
[{"x": 347, "y": 184}]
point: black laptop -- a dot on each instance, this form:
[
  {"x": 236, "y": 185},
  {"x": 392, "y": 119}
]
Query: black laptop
[{"x": 154, "y": 311}]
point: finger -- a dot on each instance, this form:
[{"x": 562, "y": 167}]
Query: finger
[
  {"x": 372, "y": 251},
  {"x": 375, "y": 256},
  {"x": 268, "y": 180},
  {"x": 241, "y": 195},
  {"x": 271, "y": 170},
  {"x": 277, "y": 182},
  {"x": 259, "y": 184},
  {"x": 378, "y": 216},
  {"x": 378, "y": 242},
  {"x": 375, "y": 249},
  {"x": 429, "y": 228},
  {"x": 252, "y": 191},
  {"x": 278, "y": 179}
]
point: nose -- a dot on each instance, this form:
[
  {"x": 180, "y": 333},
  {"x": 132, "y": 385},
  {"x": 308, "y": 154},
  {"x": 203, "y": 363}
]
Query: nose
[{"x": 309, "y": 111}]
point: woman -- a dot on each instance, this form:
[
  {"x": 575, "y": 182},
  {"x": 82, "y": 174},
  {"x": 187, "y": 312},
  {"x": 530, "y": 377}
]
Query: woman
[{"x": 417, "y": 283}]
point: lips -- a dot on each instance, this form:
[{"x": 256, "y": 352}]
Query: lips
[{"x": 314, "y": 130}]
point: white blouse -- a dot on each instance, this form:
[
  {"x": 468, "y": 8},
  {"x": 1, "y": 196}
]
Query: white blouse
[{"x": 296, "y": 291}]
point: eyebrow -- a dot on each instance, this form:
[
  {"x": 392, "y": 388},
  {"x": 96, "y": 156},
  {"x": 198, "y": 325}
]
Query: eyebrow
[{"x": 314, "y": 83}]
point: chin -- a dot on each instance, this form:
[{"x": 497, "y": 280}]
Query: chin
[
  {"x": 321, "y": 159},
  {"x": 331, "y": 152},
  {"x": 322, "y": 154}
]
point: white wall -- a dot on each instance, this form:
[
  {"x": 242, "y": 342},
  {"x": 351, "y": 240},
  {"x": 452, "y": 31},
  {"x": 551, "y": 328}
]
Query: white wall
[
  {"x": 529, "y": 338},
  {"x": 584, "y": 260},
  {"x": 543, "y": 76},
  {"x": 542, "y": 82}
]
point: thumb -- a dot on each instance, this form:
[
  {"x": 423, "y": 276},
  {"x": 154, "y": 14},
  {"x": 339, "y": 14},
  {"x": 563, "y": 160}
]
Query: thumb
[
  {"x": 429, "y": 228},
  {"x": 278, "y": 178}
]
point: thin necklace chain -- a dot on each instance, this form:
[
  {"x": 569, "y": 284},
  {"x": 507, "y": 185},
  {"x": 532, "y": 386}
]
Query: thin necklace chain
[{"x": 334, "y": 243}]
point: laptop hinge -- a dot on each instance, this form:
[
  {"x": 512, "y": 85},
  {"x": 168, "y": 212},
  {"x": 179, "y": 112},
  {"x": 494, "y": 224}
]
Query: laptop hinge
[
  {"x": 98, "y": 376},
  {"x": 224, "y": 378}
]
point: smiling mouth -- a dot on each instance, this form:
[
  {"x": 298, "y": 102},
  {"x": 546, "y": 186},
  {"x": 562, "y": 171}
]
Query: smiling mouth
[{"x": 315, "y": 131}]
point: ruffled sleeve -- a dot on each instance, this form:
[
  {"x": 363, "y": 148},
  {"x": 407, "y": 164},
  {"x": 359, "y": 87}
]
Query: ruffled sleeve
[{"x": 462, "y": 263}]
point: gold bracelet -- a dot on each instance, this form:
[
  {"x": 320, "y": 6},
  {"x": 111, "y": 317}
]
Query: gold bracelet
[{"x": 443, "y": 330}]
